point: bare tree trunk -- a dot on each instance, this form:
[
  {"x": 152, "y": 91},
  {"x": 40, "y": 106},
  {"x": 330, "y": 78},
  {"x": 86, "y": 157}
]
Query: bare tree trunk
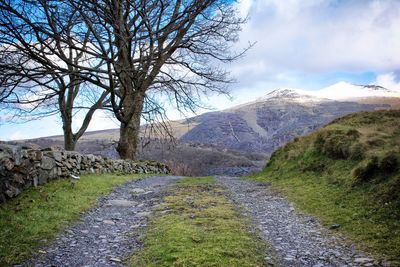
[
  {"x": 129, "y": 130},
  {"x": 129, "y": 136},
  {"x": 69, "y": 141},
  {"x": 129, "y": 139},
  {"x": 69, "y": 138}
]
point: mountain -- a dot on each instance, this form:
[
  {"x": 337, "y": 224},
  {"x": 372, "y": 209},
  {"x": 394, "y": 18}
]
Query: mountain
[
  {"x": 270, "y": 121},
  {"x": 295, "y": 95},
  {"x": 245, "y": 135}
]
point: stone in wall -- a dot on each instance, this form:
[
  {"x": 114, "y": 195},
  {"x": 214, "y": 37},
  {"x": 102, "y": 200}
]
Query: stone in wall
[{"x": 24, "y": 166}]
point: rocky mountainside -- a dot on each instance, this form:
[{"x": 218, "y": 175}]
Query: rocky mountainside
[{"x": 271, "y": 121}]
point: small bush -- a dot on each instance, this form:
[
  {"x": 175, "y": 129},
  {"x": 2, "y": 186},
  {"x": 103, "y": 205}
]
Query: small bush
[
  {"x": 376, "y": 166},
  {"x": 365, "y": 170},
  {"x": 319, "y": 142},
  {"x": 336, "y": 143},
  {"x": 353, "y": 133},
  {"x": 390, "y": 192},
  {"x": 389, "y": 162},
  {"x": 313, "y": 167},
  {"x": 336, "y": 147},
  {"x": 274, "y": 157},
  {"x": 376, "y": 142},
  {"x": 180, "y": 168},
  {"x": 357, "y": 151}
]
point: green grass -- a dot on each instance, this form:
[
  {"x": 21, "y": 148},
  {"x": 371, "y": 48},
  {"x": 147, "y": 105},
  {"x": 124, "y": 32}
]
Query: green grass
[
  {"x": 38, "y": 214},
  {"x": 198, "y": 227},
  {"x": 320, "y": 178}
]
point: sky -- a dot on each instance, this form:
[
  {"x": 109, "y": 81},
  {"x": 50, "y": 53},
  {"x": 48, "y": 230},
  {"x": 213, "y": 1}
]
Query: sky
[{"x": 298, "y": 44}]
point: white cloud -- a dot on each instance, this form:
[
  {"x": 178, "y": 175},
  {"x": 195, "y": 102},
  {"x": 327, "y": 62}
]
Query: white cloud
[
  {"x": 101, "y": 120},
  {"x": 244, "y": 7},
  {"x": 320, "y": 36},
  {"x": 388, "y": 80},
  {"x": 18, "y": 135}
]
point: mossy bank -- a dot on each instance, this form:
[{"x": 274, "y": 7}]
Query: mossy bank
[{"x": 347, "y": 173}]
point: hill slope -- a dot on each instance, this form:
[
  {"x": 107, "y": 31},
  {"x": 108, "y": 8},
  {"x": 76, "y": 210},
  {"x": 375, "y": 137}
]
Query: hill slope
[{"x": 347, "y": 173}]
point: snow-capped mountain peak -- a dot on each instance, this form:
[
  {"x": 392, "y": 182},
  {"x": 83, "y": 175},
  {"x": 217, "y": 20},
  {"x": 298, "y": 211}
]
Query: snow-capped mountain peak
[
  {"x": 283, "y": 93},
  {"x": 290, "y": 94},
  {"x": 343, "y": 90}
]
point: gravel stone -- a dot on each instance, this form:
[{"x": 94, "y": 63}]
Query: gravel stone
[
  {"x": 138, "y": 190},
  {"x": 122, "y": 203},
  {"x": 363, "y": 260}
]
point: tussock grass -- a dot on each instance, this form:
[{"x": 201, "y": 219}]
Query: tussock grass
[
  {"x": 38, "y": 214},
  {"x": 198, "y": 227},
  {"x": 343, "y": 175}
]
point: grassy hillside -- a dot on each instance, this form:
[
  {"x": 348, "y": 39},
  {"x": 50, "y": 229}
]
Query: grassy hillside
[{"x": 347, "y": 173}]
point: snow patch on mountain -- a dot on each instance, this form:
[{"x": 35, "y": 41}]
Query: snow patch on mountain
[
  {"x": 293, "y": 95},
  {"x": 343, "y": 90}
]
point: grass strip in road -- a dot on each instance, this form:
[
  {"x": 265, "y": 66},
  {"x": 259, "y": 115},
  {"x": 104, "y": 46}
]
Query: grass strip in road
[
  {"x": 38, "y": 214},
  {"x": 199, "y": 227}
]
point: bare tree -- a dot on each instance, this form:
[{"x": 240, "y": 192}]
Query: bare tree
[
  {"x": 144, "y": 53},
  {"x": 156, "y": 51},
  {"x": 41, "y": 68}
]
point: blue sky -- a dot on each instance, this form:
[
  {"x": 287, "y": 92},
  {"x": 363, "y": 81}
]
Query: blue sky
[{"x": 299, "y": 44}]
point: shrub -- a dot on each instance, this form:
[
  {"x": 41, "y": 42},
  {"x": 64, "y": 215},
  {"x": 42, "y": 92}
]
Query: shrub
[
  {"x": 357, "y": 151},
  {"x": 336, "y": 147},
  {"x": 376, "y": 142},
  {"x": 319, "y": 142},
  {"x": 390, "y": 192},
  {"x": 180, "y": 168},
  {"x": 314, "y": 166},
  {"x": 375, "y": 166},
  {"x": 336, "y": 143},
  {"x": 274, "y": 157},
  {"x": 389, "y": 162},
  {"x": 365, "y": 170},
  {"x": 353, "y": 133}
]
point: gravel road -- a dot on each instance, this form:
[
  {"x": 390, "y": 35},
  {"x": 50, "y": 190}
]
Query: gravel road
[{"x": 110, "y": 232}]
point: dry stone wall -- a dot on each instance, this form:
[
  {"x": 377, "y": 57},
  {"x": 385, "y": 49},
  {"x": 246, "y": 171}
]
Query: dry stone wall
[{"x": 22, "y": 166}]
